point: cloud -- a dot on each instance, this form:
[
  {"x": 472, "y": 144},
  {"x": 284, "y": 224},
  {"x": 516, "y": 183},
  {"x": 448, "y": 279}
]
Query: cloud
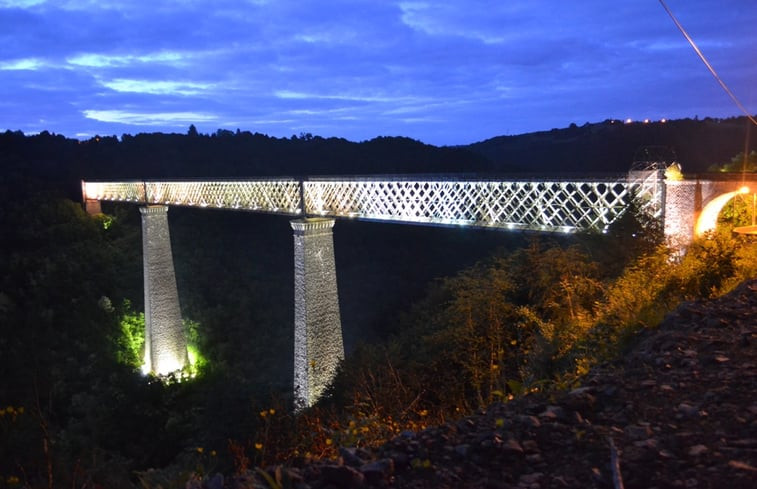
[
  {"x": 20, "y": 3},
  {"x": 30, "y": 64},
  {"x": 158, "y": 87},
  {"x": 149, "y": 118},
  {"x": 346, "y": 96},
  {"x": 95, "y": 60}
]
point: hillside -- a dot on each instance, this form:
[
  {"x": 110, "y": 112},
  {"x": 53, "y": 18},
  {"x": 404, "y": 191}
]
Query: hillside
[
  {"x": 679, "y": 407},
  {"x": 612, "y": 146}
]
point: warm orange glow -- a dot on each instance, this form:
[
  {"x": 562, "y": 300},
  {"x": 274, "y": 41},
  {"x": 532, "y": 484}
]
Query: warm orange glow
[
  {"x": 709, "y": 217},
  {"x": 93, "y": 190},
  {"x": 744, "y": 190}
]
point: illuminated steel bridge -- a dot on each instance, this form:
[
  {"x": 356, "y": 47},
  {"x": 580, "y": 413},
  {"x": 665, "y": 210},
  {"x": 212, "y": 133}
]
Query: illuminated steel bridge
[{"x": 563, "y": 205}]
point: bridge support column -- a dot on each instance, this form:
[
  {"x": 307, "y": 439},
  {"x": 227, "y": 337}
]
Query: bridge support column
[
  {"x": 318, "y": 346},
  {"x": 165, "y": 343},
  {"x": 683, "y": 202},
  {"x": 92, "y": 207}
]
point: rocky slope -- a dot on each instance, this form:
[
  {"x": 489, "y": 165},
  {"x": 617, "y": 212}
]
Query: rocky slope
[{"x": 678, "y": 411}]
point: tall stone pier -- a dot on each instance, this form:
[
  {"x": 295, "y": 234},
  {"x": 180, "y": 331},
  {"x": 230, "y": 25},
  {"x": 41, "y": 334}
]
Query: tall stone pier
[
  {"x": 318, "y": 346},
  {"x": 683, "y": 203},
  {"x": 165, "y": 342}
]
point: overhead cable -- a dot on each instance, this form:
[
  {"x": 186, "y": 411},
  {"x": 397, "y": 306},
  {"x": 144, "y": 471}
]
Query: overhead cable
[{"x": 708, "y": 65}]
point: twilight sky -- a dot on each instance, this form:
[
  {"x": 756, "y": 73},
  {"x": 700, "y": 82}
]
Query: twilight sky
[{"x": 441, "y": 71}]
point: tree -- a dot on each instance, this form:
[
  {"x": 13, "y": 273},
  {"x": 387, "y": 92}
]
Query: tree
[{"x": 739, "y": 163}]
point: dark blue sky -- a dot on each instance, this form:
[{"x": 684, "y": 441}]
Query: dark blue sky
[{"x": 443, "y": 72}]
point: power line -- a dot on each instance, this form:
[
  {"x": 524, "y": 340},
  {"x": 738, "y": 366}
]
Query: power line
[{"x": 707, "y": 64}]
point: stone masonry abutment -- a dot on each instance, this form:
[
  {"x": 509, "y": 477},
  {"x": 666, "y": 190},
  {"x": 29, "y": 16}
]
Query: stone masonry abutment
[{"x": 692, "y": 205}]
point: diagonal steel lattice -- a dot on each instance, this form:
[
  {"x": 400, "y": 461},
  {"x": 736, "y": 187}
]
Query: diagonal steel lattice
[
  {"x": 547, "y": 205},
  {"x": 276, "y": 196},
  {"x": 542, "y": 205}
]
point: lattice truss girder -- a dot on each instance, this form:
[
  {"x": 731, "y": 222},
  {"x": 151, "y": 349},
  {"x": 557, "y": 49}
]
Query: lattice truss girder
[
  {"x": 648, "y": 188},
  {"x": 536, "y": 205},
  {"x": 277, "y": 196},
  {"x": 546, "y": 205}
]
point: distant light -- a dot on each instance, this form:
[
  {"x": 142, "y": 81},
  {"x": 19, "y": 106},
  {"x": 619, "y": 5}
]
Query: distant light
[
  {"x": 629, "y": 120},
  {"x": 663, "y": 120},
  {"x": 646, "y": 121},
  {"x": 744, "y": 189}
]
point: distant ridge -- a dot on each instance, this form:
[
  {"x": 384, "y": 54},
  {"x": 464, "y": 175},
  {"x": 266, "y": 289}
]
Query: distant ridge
[{"x": 610, "y": 146}]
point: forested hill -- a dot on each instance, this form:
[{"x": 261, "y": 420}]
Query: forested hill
[{"x": 610, "y": 146}]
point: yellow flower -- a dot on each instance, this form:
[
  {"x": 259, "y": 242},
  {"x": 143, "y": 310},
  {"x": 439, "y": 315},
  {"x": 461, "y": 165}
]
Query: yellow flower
[
  {"x": 258, "y": 446},
  {"x": 200, "y": 449},
  {"x": 213, "y": 453},
  {"x": 271, "y": 411},
  {"x": 424, "y": 412},
  {"x": 329, "y": 441},
  {"x": 263, "y": 413}
]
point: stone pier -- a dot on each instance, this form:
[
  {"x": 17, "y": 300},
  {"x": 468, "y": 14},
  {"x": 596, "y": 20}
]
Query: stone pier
[
  {"x": 318, "y": 346},
  {"x": 165, "y": 342},
  {"x": 692, "y": 205},
  {"x": 92, "y": 207}
]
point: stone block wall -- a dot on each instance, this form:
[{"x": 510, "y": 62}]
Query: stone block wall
[
  {"x": 318, "y": 346},
  {"x": 165, "y": 342}
]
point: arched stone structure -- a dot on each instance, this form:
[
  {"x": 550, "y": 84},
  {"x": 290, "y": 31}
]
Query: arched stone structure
[{"x": 692, "y": 204}]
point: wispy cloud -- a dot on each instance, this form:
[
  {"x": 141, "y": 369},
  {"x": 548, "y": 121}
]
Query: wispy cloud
[
  {"x": 149, "y": 118},
  {"x": 157, "y": 87},
  {"x": 20, "y": 3},
  {"x": 95, "y": 60},
  {"x": 29, "y": 64},
  {"x": 351, "y": 97}
]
